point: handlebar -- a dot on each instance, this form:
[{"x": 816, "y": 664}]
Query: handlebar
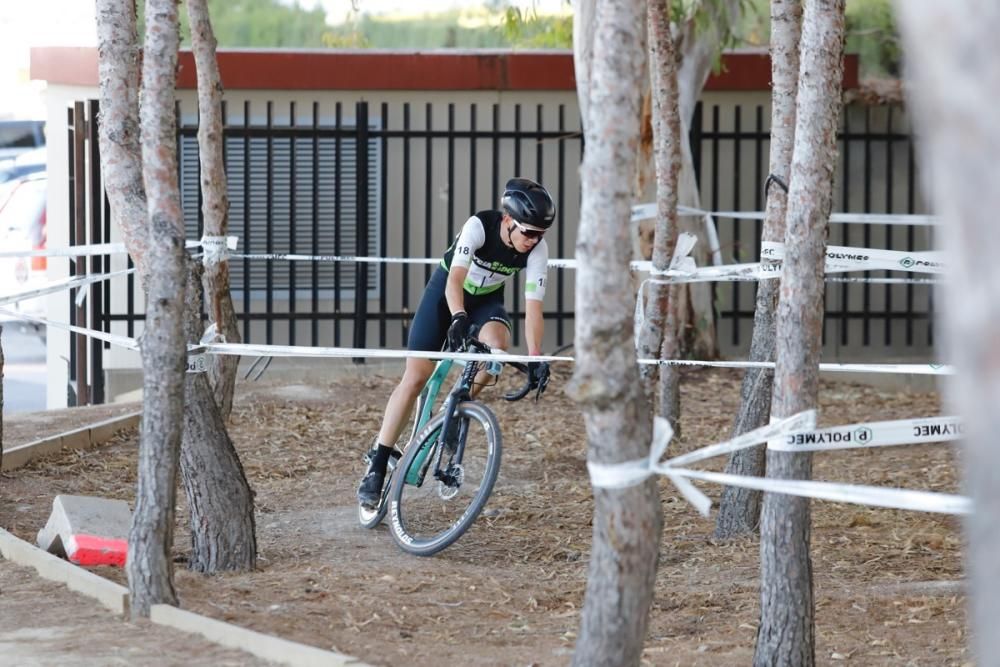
[{"x": 473, "y": 344}]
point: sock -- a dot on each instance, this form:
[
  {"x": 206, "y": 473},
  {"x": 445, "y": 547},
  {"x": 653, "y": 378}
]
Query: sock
[{"x": 381, "y": 458}]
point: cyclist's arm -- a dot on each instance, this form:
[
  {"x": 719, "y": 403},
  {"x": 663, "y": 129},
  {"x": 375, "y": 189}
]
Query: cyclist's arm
[
  {"x": 471, "y": 239},
  {"x": 534, "y": 294},
  {"x": 534, "y": 326}
]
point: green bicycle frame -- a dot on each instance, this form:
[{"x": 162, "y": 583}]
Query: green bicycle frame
[{"x": 430, "y": 394}]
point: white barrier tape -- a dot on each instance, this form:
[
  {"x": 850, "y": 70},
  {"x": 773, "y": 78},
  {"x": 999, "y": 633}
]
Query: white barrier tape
[
  {"x": 60, "y": 285},
  {"x": 293, "y": 257},
  {"x": 216, "y": 248},
  {"x": 248, "y": 349},
  {"x": 877, "y": 496},
  {"x": 872, "y": 434},
  {"x": 197, "y": 363},
  {"x": 803, "y": 421},
  {"x": 88, "y": 250},
  {"x": 841, "y": 258},
  {"x": 903, "y": 369},
  {"x": 647, "y": 211},
  {"x": 123, "y": 341}
]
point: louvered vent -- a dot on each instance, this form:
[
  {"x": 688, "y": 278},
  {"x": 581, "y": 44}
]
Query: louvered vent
[{"x": 248, "y": 159}]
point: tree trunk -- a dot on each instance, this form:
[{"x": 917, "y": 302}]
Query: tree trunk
[
  {"x": 150, "y": 567},
  {"x": 215, "y": 202},
  {"x": 583, "y": 53},
  {"x": 627, "y": 522},
  {"x": 739, "y": 509},
  {"x": 655, "y": 336},
  {"x": 785, "y": 635},
  {"x": 223, "y": 535},
  {"x": 953, "y": 65},
  {"x": 118, "y": 57},
  {"x": 699, "y": 45}
]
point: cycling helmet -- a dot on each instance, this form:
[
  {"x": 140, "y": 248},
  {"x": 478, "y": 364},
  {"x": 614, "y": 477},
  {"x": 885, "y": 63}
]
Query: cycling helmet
[{"x": 528, "y": 203}]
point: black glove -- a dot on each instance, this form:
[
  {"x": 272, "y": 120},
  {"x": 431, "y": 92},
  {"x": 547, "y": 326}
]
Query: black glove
[
  {"x": 458, "y": 331},
  {"x": 538, "y": 375}
]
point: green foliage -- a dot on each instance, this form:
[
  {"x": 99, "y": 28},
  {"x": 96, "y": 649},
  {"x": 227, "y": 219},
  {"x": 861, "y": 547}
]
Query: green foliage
[
  {"x": 452, "y": 29},
  {"x": 256, "y": 23},
  {"x": 529, "y": 29},
  {"x": 871, "y": 33}
]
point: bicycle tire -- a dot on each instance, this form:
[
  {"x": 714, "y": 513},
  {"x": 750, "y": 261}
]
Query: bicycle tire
[{"x": 406, "y": 508}]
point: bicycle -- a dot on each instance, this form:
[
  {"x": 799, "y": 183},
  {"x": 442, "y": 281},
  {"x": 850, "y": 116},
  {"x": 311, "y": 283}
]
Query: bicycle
[{"x": 430, "y": 514}]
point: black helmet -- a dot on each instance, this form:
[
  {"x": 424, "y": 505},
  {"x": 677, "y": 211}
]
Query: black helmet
[{"x": 528, "y": 203}]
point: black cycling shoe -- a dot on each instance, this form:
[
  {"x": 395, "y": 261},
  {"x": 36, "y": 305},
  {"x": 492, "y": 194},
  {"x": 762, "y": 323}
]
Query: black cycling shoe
[{"x": 370, "y": 489}]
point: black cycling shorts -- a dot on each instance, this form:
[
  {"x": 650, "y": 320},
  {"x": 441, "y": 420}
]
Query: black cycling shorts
[{"x": 429, "y": 329}]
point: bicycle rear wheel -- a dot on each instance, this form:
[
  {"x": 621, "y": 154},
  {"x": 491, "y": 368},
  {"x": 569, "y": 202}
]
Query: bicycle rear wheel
[{"x": 428, "y": 516}]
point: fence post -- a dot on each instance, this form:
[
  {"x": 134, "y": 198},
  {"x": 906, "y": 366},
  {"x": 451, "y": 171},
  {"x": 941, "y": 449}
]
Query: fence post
[
  {"x": 361, "y": 227},
  {"x": 96, "y": 289},
  {"x": 78, "y": 314}
]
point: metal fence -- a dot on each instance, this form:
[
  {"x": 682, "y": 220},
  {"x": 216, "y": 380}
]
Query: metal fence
[{"x": 298, "y": 183}]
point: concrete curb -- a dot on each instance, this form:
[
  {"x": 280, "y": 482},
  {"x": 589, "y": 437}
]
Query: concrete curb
[
  {"x": 108, "y": 593},
  {"x": 115, "y": 598},
  {"x": 263, "y": 646},
  {"x": 81, "y": 438}
]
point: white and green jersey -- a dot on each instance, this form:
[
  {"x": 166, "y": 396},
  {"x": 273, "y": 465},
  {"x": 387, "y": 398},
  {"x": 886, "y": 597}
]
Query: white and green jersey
[{"x": 491, "y": 261}]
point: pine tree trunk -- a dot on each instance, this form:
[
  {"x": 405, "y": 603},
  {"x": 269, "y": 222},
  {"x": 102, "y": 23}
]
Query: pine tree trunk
[
  {"x": 223, "y": 534},
  {"x": 786, "y": 634},
  {"x": 739, "y": 509},
  {"x": 215, "y": 201},
  {"x": 627, "y": 522},
  {"x": 655, "y": 336},
  {"x": 118, "y": 58},
  {"x": 150, "y": 566},
  {"x": 953, "y": 65}
]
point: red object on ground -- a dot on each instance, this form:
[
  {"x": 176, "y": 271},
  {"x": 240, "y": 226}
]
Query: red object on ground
[{"x": 92, "y": 550}]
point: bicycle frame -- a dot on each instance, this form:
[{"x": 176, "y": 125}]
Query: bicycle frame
[{"x": 461, "y": 392}]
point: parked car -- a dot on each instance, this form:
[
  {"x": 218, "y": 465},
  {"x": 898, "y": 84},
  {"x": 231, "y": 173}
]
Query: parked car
[
  {"x": 19, "y": 136},
  {"x": 26, "y": 163},
  {"x": 23, "y": 227}
]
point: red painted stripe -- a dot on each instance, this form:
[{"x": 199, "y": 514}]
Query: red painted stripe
[
  {"x": 92, "y": 550},
  {"x": 285, "y": 69}
]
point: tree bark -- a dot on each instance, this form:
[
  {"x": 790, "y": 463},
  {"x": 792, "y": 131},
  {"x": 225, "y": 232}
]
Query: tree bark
[
  {"x": 118, "y": 58},
  {"x": 215, "y": 201},
  {"x": 786, "y": 633},
  {"x": 223, "y": 534},
  {"x": 952, "y": 59},
  {"x": 739, "y": 509},
  {"x": 627, "y": 522},
  {"x": 658, "y": 334},
  {"x": 150, "y": 567},
  {"x": 583, "y": 53}
]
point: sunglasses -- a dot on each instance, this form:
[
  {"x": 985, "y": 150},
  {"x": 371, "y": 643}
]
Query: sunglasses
[{"x": 528, "y": 233}]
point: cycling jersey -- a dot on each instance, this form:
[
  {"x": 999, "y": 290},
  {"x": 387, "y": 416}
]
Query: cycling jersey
[{"x": 490, "y": 261}]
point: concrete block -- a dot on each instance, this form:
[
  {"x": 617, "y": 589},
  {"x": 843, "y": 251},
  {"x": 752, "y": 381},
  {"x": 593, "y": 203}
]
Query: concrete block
[
  {"x": 89, "y": 531},
  {"x": 108, "y": 593},
  {"x": 78, "y": 439},
  {"x": 15, "y": 457},
  {"x": 103, "y": 431},
  {"x": 274, "y": 649}
]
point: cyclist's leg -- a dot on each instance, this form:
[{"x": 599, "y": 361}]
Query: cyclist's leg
[
  {"x": 427, "y": 332},
  {"x": 495, "y": 330}
]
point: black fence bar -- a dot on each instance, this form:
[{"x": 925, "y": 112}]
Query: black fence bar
[
  {"x": 96, "y": 290},
  {"x": 292, "y": 225},
  {"x": 78, "y": 314},
  {"x": 299, "y": 174},
  {"x": 361, "y": 234}
]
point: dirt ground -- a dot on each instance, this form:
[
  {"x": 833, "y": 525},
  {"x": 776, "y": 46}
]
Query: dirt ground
[{"x": 509, "y": 592}]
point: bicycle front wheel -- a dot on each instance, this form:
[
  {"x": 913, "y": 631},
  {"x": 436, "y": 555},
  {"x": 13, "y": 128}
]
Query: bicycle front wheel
[{"x": 427, "y": 514}]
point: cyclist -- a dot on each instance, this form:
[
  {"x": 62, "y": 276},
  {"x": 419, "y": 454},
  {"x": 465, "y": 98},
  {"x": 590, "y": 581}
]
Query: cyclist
[{"x": 467, "y": 289}]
